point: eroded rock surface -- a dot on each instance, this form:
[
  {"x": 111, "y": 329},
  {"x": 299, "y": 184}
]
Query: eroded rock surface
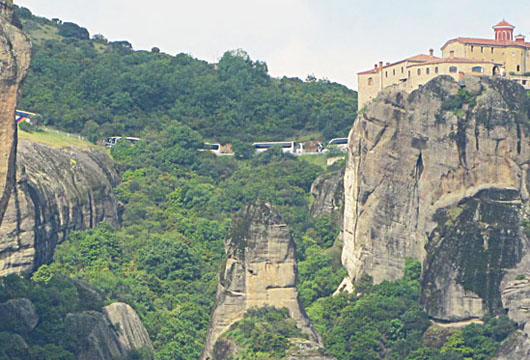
[
  {"x": 260, "y": 271},
  {"x": 15, "y": 53},
  {"x": 441, "y": 175},
  {"x": 131, "y": 331},
  {"x": 108, "y": 335},
  {"x": 328, "y": 195},
  {"x": 18, "y": 315},
  {"x": 58, "y": 191}
]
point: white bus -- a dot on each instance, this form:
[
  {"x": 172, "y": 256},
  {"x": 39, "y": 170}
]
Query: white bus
[
  {"x": 337, "y": 143},
  {"x": 287, "y": 146},
  {"x": 111, "y": 141},
  {"x": 213, "y": 148}
]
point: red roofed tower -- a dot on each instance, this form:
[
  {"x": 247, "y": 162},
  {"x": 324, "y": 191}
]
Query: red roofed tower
[{"x": 504, "y": 31}]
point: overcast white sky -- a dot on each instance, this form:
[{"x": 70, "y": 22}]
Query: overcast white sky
[{"x": 331, "y": 39}]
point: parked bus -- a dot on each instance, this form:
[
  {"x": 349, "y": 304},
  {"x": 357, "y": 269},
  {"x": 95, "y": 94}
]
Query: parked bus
[
  {"x": 213, "y": 148},
  {"x": 287, "y": 146},
  {"x": 337, "y": 143},
  {"x": 113, "y": 140}
]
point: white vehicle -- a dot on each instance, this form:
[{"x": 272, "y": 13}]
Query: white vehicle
[
  {"x": 113, "y": 140},
  {"x": 287, "y": 146},
  {"x": 213, "y": 148},
  {"x": 337, "y": 143}
]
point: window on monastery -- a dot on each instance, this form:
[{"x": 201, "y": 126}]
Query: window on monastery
[
  {"x": 370, "y": 81},
  {"x": 403, "y": 70},
  {"x": 409, "y": 73},
  {"x": 386, "y": 73},
  {"x": 482, "y": 49},
  {"x": 477, "y": 69},
  {"x": 524, "y": 82},
  {"x": 419, "y": 71},
  {"x": 453, "y": 69},
  {"x": 394, "y": 72},
  {"x": 436, "y": 69},
  {"x": 518, "y": 68},
  {"x": 428, "y": 71},
  {"x": 471, "y": 48},
  {"x": 492, "y": 50}
]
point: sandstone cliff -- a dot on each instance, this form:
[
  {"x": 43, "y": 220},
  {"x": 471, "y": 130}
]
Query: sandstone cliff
[
  {"x": 328, "y": 194},
  {"x": 58, "y": 191},
  {"x": 14, "y": 59},
  {"x": 260, "y": 270},
  {"x": 105, "y": 336},
  {"x": 441, "y": 175}
]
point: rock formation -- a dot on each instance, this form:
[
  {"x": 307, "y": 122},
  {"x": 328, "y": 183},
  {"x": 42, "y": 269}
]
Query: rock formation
[
  {"x": 328, "y": 195},
  {"x": 14, "y": 63},
  {"x": 260, "y": 271},
  {"x": 441, "y": 175},
  {"x": 131, "y": 331},
  {"x": 98, "y": 336},
  {"x": 18, "y": 315},
  {"x": 58, "y": 191}
]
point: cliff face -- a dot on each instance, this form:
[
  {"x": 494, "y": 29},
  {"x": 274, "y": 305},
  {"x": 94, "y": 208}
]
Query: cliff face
[
  {"x": 260, "y": 271},
  {"x": 58, "y": 191},
  {"x": 441, "y": 175},
  {"x": 14, "y": 63}
]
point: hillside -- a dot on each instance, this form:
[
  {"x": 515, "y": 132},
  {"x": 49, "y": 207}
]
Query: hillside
[
  {"x": 185, "y": 248},
  {"x": 100, "y": 88}
]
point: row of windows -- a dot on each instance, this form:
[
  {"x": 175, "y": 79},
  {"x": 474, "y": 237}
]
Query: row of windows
[
  {"x": 481, "y": 49},
  {"x": 452, "y": 69}
]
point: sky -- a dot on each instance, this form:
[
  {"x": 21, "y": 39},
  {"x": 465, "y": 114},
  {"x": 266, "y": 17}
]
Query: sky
[{"x": 331, "y": 39}]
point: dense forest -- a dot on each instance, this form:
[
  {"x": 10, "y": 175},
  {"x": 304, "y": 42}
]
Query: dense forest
[
  {"x": 100, "y": 88},
  {"x": 178, "y": 202}
]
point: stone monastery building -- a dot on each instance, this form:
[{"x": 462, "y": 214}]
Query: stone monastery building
[{"x": 502, "y": 56}]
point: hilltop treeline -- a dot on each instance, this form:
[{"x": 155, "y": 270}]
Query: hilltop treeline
[{"x": 100, "y": 88}]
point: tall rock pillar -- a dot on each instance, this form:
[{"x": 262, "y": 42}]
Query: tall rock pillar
[{"x": 14, "y": 63}]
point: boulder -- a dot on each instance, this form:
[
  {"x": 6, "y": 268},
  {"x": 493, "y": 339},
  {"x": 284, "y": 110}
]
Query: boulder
[
  {"x": 132, "y": 334},
  {"x": 18, "y": 315}
]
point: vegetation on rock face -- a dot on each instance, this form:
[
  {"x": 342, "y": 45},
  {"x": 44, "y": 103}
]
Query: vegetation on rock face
[
  {"x": 263, "y": 334},
  {"x": 178, "y": 202},
  {"x": 385, "y": 321},
  {"x": 53, "y": 297},
  {"x": 103, "y": 89}
]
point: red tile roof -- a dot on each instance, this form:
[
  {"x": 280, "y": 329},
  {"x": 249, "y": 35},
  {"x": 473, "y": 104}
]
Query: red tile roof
[
  {"x": 504, "y": 23},
  {"x": 489, "y": 42},
  {"x": 420, "y": 58}
]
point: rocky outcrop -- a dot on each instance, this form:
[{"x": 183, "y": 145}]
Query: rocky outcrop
[
  {"x": 18, "y": 315},
  {"x": 516, "y": 347},
  {"x": 58, "y": 191},
  {"x": 260, "y": 270},
  {"x": 91, "y": 336},
  {"x": 103, "y": 336},
  {"x": 328, "y": 195},
  {"x": 14, "y": 62},
  {"x": 302, "y": 349},
  {"x": 441, "y": 175},
  {"x": 131, "y": 331}
]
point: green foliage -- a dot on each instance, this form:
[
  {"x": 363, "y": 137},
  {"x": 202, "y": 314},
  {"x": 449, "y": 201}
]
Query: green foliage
[
  {"x": 53, "y": 297},
  {"x": 104, "y": 89},
  {"x": 385, "y": 321},
  {"x": 264, "y": 331},
  {"x": 455, "y": 102},
  {"x": 71, "y": 30}
]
